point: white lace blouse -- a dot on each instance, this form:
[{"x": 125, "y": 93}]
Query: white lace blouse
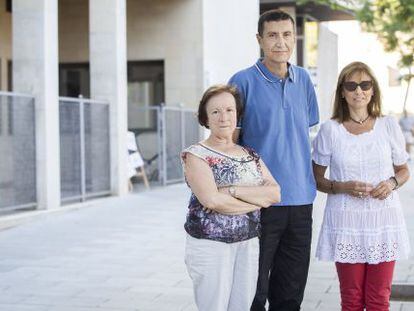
[{"x": 366, "y": 230}]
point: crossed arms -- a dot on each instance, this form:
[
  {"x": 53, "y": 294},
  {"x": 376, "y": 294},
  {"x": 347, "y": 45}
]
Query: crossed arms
[{"x": 248, "y": 198}]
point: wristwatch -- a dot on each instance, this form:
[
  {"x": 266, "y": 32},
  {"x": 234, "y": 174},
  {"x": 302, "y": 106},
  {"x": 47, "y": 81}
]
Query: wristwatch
[
  {"x": 395, "y": 181},
  {"x": 232, "y": 191}
]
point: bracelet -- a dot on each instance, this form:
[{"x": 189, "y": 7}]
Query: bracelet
[
  {"x": 331, "y": 187},
  {"x": 395, "y": 182}
]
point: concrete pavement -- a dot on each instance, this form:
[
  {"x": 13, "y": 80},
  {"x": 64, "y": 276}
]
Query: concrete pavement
[{"x": 127, "y": 254}]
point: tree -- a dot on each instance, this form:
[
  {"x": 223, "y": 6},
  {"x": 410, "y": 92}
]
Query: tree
[{"x": 392, "y": 21}]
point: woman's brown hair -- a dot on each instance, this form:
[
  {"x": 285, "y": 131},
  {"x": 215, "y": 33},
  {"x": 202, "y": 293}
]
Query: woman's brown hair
[
  {"x": 213, "y": 91},
  {"x": 340, "y": 108}
]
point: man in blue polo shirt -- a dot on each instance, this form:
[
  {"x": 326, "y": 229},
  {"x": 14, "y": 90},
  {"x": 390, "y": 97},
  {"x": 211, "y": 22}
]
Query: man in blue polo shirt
[{"x": 280, "y": 105}]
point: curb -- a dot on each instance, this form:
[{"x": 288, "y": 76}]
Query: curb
[{"x": 402, "y": 292}]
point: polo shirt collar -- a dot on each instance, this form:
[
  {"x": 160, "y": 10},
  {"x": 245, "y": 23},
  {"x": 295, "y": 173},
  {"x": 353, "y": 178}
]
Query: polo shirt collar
[{"x": 267, "y": 75}]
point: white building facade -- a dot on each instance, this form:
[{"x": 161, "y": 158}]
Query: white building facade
[{"x": 129, "y": 55}]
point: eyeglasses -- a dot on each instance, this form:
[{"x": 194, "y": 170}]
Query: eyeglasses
[{"x": 352, "y": 86}]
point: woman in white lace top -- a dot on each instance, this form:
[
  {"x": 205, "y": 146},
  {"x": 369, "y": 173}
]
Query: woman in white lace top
[{"x": 363, "y": 229}]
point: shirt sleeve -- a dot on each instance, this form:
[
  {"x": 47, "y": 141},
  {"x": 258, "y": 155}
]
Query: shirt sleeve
[
  {"x": 313, "y": 109},
  {"x": 323, "y": 144},
  {"x": 397, "y": 141},
  {"x": 194, "y": 150}
]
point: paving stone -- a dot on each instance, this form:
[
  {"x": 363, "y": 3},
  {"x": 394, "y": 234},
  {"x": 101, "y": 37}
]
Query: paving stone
[
  {"x": 395, "y": 306},
  {"x": 325, "y": 306},
  {"x": 127, "y": 254},
  {"x": 22, "y": 307},
  {"x": 407, "y": 306},
  {"x": 10, "y": 298}
]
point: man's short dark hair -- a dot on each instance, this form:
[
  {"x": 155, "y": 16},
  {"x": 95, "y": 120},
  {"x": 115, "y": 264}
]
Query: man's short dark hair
[
  {"x": 213, "y": 91},
  {"x": 273, "y": 16}
]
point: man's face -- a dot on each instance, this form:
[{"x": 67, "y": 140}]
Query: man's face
[{"x": 277, "y": 41}]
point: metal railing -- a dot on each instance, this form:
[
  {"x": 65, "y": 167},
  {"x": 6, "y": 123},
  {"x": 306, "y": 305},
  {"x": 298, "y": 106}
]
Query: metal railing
[
  {"x": 180, "y": 130},
  {"x": 84, "y": 148},
  {"x": 161, "y": 133},
  {"x": 17, "y": 151}
]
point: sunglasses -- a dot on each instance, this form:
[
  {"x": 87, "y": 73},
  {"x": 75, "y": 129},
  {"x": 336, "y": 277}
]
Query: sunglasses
[{"x": 352, "y": 86}]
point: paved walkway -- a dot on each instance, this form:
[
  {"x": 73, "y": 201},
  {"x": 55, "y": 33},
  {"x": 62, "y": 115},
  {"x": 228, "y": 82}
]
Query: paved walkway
[{"x": 127, "y": 254}]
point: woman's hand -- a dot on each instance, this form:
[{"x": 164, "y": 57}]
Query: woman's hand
[
  {"x": 383, "y": 190},
  {"x": 357, "y": 189},
  {"x": 252, "y": 194},
  {"x": 200, "y": 178},
  {"x": 207, "y": 210}
]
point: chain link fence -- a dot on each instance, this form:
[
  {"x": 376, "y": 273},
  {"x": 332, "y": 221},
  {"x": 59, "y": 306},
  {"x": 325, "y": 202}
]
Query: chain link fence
[
  {"x": 18, "y": 152},
  {"x": 181, "y": 129},
  {"x": 84, "y": 149},
  {"x": 161, "y": 133}
]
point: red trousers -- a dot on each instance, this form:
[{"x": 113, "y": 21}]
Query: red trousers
[{"x": 365, "y": 285}]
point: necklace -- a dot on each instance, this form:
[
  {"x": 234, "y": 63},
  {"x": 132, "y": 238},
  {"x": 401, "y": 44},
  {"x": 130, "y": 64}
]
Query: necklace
[{"x": 360, "y": 122}]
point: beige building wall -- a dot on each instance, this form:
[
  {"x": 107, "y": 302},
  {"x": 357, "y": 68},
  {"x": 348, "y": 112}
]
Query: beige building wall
[
  {"x": 190, "y": 36},
  {"x": 73, "y": 35},
  {"x": 156, "y": 30},
  {"x": 5, "y": 44},
  {"x": 170, "y": 31},
  {"x": 73, "y": 31}
]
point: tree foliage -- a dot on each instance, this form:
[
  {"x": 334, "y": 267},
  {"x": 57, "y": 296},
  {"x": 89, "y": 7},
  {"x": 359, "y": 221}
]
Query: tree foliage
[{"x": 391, "y": 20}]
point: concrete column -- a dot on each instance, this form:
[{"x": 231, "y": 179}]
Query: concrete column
[
  {"x": 220, "y": 59},
  {"x": 35, "y": 71},
  {"x": 327, "y": 71},
  {"x": 291, "y": 10},
  {"x": 108, "y": 61},
  {"x": 5, "y": 44}
]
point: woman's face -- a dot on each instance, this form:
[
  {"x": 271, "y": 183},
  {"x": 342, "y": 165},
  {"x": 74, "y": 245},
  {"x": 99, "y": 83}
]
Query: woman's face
[
  {"x": 358, "y": 90},
  {"x": 222, "y": 115}
]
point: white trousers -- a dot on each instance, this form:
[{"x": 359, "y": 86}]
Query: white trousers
[{"x": 224, "y": 275}]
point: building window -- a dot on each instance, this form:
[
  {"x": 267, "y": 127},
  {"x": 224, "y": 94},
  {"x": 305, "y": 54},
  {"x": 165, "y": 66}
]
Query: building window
[
  {"x": 300, "y": 55},
  {"x": 9, "y": 76},
  {"x": 74, "y": 80},
  {"x": 145, "y": 89},
  {"x": 148, "y": 76},
  {"x": 8, "y": 6}
]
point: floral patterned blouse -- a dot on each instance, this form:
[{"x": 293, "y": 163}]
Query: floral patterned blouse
[{"x": 227, "y": 170}]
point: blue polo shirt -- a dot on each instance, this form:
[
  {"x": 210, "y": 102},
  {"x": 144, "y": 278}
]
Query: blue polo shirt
[{"x": 277, "y": 116}]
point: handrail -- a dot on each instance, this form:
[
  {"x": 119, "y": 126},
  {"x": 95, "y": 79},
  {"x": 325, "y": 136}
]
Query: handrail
[
  {"x": 82, "y": 99},
  {"x": 14, "y": 94}
]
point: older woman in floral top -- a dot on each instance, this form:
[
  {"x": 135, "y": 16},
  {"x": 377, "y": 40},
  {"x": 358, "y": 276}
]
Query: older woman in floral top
[{"x": 229, "y": 185}]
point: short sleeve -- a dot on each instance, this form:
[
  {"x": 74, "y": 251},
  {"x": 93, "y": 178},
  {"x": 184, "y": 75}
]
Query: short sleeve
[
  {"x": 313, "y": 109},
  {"x": 194, "y": 150},
  {"x": 397, "y": 141},
  {"x": 323, "y": 144}
]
